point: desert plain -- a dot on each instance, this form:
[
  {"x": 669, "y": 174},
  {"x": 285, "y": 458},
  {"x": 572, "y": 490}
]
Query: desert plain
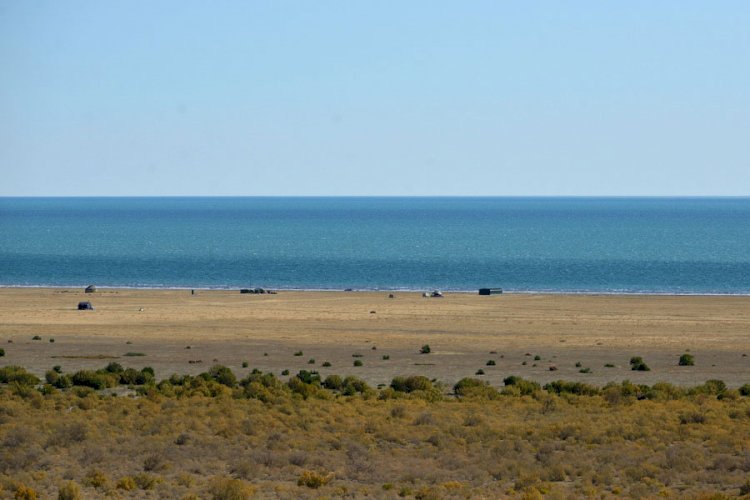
[{"x": 538, "y": 337}]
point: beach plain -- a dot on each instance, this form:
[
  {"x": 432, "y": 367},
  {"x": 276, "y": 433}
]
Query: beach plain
[
  {"x": 173, "y": 328},
  {"x": 209, "y": 438}
]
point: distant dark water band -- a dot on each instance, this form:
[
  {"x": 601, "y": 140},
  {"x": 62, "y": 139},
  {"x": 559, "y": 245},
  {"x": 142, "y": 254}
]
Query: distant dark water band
[{"x": 552, "y": 275}]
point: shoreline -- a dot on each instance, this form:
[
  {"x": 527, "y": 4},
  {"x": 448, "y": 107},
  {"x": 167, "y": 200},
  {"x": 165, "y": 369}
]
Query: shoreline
[{"x": 474, "y": 291}]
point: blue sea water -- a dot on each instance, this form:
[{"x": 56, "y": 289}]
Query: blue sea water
[{"x": 610, "y": 245}]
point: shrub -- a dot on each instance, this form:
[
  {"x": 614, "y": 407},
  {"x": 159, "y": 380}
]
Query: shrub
[
  {"x": 131, "y": 376},
  {"x": 245, "y": 364},
  {"x": 472, "y": 387},
  {"x": 358, "y": 362},
  {"x": 352, "y": 385},
  {"x": 2, "y": 352},
  {"x": 579, "y": 388},
  {"x": 298, "y": 353},
  {"x": 223, "y": 375},
  {"x": 24, "y": 492},
  {"x": 745, "y": 390},
  {"x": 18, "y": 375},
  {"x": 126, "y": 483},
  {"x": 386, "y": 357},
  {"x": 578, "y": 364},
  {"x": 686, "y": 360},
  {"x": 225, "y": 488},
  {"x": 309, "y": 377},
  {"x": 326, "y": 364},
  {"x": 285, "y": 372},
  {"x": 114, "y": 367},
  {"x": 479, "y": 372},
  {"x": 425, "y": 349},
  {"x": 146, "y": 481},
  {"x": 311, "y": 361},
  {"x": 411, "y": 384},
  {"x": 51, "y": 341},
  {"x": 333, "y": 382},
  {"x": 69, "y": 491},
  {"x": 537, "y": 357},
  {"x": 584, "y": 370},
  {"x": 637, "y": 364},
  {"x": 313, "y": 479},
  {"x": 491, "y": 362},
  {"x": 609, "y": 365},
  {"x": 711, "y": 387},
  {"x": 134, "y": 354},
  {"x": 525, "y": 387},
  {"x": 36, "y": 337},
  {"x": 96, "y": 479}
]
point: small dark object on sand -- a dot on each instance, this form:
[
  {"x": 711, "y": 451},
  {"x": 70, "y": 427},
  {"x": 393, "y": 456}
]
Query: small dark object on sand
[
  {"x": 85, "y": 306},
  {"x": 90, "y": 289}
]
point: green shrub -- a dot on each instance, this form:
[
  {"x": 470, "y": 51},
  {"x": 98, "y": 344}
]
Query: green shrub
[
  {"x": 686, "y": 360},
  {"x": 563, "y": 387},
  {"x": 311, "y": 361},
  {"x": 95, "y": 380},
  {"x": 711, "y": 387},
  {"x": 425, "y": 349},
  {"x": 472, "y": 387},
  {"x": 358, "y": 362},
  {"x": 479, "y": 372},
  {"x": 584, "y": 370},
  {"x": 326, "y": 364},
  {"x": 223, "y": 375},
  {"x": 745, "y": 390},
  {"x": 386, "y": 357},
  {"x": 134, "y": 354},
  {"x": 298, "y": 353},
  {"x": 2, "y": 352},
  {"x": 537, "y": 357},
  {"x": 411, "y": 384},
  {"x": 285, "y": 372},
  {"x": 18, "y": 375},
  {"x": 309, "y": 377},
  {"x": 352, "y": 385},
  {"x": 491, "y": 362},
  {"x": 131, "y": 376},
  {"x": 525, "y": 387},
  {"x": 637, "y": 364},
  {"x": 245, "y": 364},
  {"x": 36, "y": 337},
  {"x": 114, "y": 367},
  {"x": 333, "y": 382}
]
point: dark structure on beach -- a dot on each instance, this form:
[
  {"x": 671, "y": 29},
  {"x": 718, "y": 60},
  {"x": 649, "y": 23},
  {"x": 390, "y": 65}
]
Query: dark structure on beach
[
  {"x": 490, "y": 291},
  {"x": 90, "y": 289},
  {"x": 85, "y": 306}
]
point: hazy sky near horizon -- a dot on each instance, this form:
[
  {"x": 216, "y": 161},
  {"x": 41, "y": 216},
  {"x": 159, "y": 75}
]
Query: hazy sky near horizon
[{"x": 374, "y": 98}]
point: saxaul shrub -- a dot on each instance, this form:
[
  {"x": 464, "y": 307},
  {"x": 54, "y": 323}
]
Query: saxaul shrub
[
  {"x": 686, "y": 360},
  {"x": 637, "y": 364},
  {"x": 18, "y": 375},
  {"x": 472, "y": 387},
  {"x": 524, "y": 387},
  {"x": 411, "y": 384}
]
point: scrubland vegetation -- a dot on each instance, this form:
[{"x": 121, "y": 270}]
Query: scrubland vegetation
[{"x": 118, "y": 432}]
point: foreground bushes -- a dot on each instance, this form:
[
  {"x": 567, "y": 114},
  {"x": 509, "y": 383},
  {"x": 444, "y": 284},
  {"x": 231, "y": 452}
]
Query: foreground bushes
[{"x": 220, "y": 380}]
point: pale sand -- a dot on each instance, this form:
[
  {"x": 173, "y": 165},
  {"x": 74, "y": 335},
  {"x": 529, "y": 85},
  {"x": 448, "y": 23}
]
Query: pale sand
[{"x": 461, "y": 329}]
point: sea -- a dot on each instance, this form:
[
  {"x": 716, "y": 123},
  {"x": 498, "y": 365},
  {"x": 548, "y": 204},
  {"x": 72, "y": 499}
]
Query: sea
[{"x": 551, "y": 245}]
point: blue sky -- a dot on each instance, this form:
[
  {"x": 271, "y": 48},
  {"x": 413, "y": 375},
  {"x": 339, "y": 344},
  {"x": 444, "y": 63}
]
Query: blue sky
[{"x": 374, "y": 98}]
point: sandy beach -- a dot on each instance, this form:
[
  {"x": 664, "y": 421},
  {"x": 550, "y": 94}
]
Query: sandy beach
[{"x": 176, "y": 332}]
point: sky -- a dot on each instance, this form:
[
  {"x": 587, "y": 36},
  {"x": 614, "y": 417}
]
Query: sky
[{"x": 391, "y": 98}]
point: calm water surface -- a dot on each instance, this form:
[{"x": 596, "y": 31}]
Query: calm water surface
[{"x": 662, "y": 245}]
